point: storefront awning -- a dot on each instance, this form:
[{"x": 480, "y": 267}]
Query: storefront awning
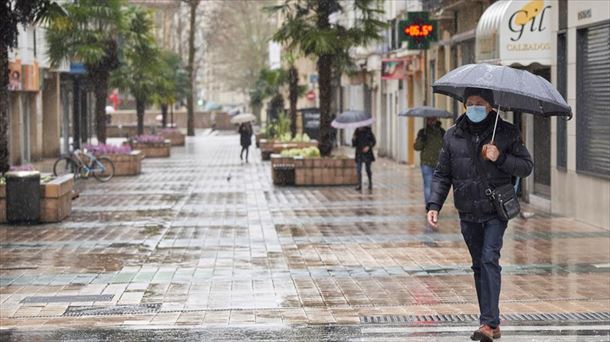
[{"x": 515, "y": 32}]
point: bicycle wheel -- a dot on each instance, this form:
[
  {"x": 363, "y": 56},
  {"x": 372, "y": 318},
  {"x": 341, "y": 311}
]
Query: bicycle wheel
[
  {"x": 103, "y": 169},
  {"x": 65, "y": 165}
]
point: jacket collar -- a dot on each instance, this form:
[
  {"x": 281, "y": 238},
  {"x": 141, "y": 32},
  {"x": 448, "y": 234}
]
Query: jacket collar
[{"x": 461, "y": 126}]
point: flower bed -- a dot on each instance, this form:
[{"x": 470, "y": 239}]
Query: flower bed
[
  {"x": 127, "y": 162},
  {"x": 269, "y": 147},
  {"x": 55, "y": 201},
  {"x": 152, "y": 146},
  {"x": 313, "y": 171},
  {"x": 174, "y": 135}
]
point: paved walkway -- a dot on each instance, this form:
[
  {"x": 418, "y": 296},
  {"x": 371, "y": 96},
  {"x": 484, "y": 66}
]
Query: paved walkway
[{"x": 204, "y": 242}]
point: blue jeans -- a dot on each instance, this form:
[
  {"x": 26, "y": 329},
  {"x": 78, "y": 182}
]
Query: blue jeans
[
  {"x": 427, "y": 172},
  {"x": 484, "y": 241},
  {"x": 369, "y": 172}
]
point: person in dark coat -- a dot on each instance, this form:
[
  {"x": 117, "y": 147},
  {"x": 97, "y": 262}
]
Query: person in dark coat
[
  {"x": 245, "y": 132},
  {"x": 429, "y": 141},
  {"x": 481, "y": 226},
  {"x": 363, "y": 141}
]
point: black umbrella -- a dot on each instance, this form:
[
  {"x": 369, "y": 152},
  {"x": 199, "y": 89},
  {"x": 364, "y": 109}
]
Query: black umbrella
[
  {"x": 426, "y": 112},
  {"x": 513, "y": 89},
  {"x": 353, "y": 119}
]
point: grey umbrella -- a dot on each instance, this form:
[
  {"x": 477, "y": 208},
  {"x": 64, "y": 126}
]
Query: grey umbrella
[
  {"x": 426, "y": 112},
  {"x": 353, "y": 119},
  {"x": 513, "y": 89}
]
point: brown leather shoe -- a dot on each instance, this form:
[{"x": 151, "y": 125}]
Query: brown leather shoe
[{"x": 486, "y": 333}]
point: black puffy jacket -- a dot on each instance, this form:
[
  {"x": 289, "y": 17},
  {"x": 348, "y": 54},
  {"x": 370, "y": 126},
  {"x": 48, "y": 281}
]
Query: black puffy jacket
[
  {"x": 362, "y": 138},
  {"x": 456, "y": 167}
]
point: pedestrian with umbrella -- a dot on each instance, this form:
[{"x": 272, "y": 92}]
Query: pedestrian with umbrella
[
  {"x": 429, "y": 141},
  {"x": 363, "y": 141},
  {"x": 480, "y": 155},
  {"x": 245, "y": 132}
]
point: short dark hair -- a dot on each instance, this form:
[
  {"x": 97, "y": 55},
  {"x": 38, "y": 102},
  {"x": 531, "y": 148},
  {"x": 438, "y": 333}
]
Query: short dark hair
[{"x": 486, "y": 94}]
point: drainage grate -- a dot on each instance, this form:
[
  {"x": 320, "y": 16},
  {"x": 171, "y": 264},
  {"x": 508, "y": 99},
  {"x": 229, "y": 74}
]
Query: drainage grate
[
  {"x": 389, "y": 319},
  {"x": 68, "y": 299},
  {"x": 112, "y": 310}
]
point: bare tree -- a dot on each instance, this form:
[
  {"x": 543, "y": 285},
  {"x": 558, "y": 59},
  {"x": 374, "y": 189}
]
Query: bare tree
[
  {"x": 236, "y": 41},
  {"x": 190, "y": 126}
]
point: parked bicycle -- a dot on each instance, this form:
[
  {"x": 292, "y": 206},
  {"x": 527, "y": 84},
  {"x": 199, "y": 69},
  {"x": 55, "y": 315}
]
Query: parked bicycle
[{"x": 83, "y": 164}]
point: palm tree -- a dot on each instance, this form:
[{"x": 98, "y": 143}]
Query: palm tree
[
  {"x": 13, "y": 13},
  {"x": 307, "y": 27},
  {"x": 138, "y": 73},
  {"x": 293, "y": 90},
  {"x": 90, "y": 33},
  {"x": 268, "y": 85},
  {"x": 171, "y": 83}
]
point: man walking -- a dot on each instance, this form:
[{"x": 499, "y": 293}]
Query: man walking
[
  {"x": 466, "y": 143},
  {"x": 429, "y": 141}
]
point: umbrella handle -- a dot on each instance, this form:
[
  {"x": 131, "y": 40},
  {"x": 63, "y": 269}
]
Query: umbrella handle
[{"x": 493, "y": 136}]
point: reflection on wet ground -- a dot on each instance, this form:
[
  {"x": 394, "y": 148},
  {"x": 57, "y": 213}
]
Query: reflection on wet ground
[{"x": 201, "y": 240}]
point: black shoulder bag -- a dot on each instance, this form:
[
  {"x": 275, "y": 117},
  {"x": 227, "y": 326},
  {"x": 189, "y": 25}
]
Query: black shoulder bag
[{"x": 503, "y": 197}]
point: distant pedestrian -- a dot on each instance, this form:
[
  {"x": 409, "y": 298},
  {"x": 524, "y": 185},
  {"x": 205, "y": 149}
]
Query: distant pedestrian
[
  {"x": 467, "y": 148},
  {"x": 363, "y": 141},
  {"x": 429, "y": 141},
  {"x": 245, "y": 133}
]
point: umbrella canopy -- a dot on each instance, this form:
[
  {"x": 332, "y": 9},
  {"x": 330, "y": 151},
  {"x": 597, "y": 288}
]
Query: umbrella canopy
[
  {"x": 352, "y": 119},
  {"x": 244, "y": 117},
  {"x": 426, "y": 112},
  {"x": 513, "y": 89}
]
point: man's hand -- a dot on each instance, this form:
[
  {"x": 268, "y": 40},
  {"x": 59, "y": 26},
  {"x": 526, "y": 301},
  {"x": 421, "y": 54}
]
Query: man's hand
[
  {"x": 365, "y": 149},
  {"x": 491, "y": 152},
  {"x": 433, "y": 218}
]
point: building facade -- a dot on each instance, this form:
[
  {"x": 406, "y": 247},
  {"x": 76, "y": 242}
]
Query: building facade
[
  {"x": 35, "y": 100},
  {"x": 580, "y": 154}
]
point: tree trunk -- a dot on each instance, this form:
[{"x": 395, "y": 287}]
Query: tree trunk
[
  {"x": 190, "y": 126},
  {"x": 4, "y": 114},
  {"x": 324, "y": 82},
  {"x": 293, "y": 79},
  {"x": 164, "y": 115},
  {"x": 100, "y": 84},
  {"x": 76, "y": 113},
  {"x": 140, "y": 108},
  {"x": 324, "y": 64}
]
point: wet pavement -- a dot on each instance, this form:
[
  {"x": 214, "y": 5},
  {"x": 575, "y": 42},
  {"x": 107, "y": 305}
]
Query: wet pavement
[{"x": 204, "y": 247}]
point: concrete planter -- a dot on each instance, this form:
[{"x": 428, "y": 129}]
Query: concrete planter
[
  {"x": 315, "y": 171},
  {"x": 127, "y": 164},
  {"x": 154, "y": 150},
  {"x": 55, "y": 201},
  {"x": 176, "y": 137},
  {"x": 269, "y": 147}
]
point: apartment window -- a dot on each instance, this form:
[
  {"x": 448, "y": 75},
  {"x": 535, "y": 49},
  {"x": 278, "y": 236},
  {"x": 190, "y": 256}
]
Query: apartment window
[
  {"x": 562, "y": 84},
  {"x": 593, "y": 100}
]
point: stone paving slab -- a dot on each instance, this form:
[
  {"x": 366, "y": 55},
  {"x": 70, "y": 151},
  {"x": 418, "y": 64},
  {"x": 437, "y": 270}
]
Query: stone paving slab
[{"x": 210, "y": 242}]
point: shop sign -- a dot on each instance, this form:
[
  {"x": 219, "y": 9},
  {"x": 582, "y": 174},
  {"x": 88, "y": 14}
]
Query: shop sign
[
  {"x": 528, "y": 32},
  {"x": 515, "y": 32},
  {"x": 392, "y": 69},
  {"x": 14, "y": 76}
]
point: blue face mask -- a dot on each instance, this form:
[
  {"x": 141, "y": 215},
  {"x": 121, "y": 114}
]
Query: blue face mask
[{"x": 476, "y": 113}]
